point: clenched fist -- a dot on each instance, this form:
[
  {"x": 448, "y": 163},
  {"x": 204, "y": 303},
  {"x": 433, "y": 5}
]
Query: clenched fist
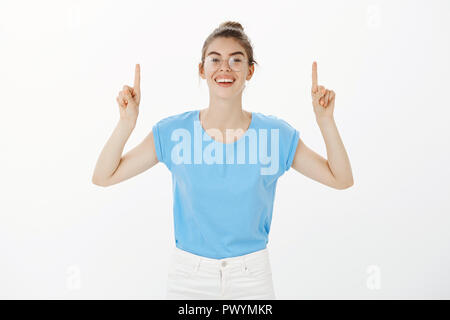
[{"x": 130, "y": 97}]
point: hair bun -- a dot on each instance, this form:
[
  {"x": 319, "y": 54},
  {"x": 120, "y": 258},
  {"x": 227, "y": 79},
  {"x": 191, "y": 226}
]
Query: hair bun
[{"x": 231, "y": 24}]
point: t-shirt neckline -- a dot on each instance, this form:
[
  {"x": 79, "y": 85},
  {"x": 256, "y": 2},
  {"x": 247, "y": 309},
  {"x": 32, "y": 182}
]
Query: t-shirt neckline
[{"x": 231, "y": 143}]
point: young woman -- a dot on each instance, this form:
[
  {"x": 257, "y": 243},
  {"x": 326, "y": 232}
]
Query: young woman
[{"x": 225, "y": 163}]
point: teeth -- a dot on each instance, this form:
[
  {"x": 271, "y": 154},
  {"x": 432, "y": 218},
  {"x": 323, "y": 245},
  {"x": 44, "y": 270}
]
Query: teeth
[{"x": 224, "y": 80}]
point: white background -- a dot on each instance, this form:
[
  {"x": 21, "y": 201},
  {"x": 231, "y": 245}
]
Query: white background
[{"x": 62, "y": 64}]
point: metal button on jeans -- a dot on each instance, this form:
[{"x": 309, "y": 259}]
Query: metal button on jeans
[{"x": 224, "y": 263}]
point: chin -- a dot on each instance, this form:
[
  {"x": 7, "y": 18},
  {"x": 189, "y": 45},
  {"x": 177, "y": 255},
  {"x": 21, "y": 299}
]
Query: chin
[
  {"x": 225, "y": 95},
  {"x": 225, "y": 92}
]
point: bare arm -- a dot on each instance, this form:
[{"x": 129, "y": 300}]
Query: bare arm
[
  {"x": 112, "y": 167},
  {"x": 335, "y": 172}
]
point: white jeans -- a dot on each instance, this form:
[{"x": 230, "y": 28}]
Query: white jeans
[{"x": 244, "y": 277}]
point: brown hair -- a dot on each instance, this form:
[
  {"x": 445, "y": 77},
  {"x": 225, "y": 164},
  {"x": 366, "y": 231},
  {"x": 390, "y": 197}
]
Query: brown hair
[{"x": 230, "y": 29}]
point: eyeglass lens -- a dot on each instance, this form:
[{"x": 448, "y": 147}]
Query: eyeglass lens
[{"x": 214, "y": 62}]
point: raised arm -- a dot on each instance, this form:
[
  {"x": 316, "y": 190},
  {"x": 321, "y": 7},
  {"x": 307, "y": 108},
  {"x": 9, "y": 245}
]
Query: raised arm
[
  {"x": 111, "y": 167},
  {"x": 335, "y": 172}
]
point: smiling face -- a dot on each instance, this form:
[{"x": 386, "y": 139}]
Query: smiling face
[{"x": 224, "y": 48}]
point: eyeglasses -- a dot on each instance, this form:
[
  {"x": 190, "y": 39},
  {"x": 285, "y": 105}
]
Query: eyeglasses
[{"x": 236, "y": 63}]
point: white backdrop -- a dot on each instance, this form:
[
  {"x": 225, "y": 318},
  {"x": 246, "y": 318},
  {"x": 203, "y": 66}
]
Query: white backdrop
[{"x": 63, "y": 63}]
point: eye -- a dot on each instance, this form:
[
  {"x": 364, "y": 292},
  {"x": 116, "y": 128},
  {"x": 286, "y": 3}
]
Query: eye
[{"x": 214, "y": 59}]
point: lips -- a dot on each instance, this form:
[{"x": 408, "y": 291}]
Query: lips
[
  {"x": 224, "y": 76},
  {"x": 225, "y": 84}
]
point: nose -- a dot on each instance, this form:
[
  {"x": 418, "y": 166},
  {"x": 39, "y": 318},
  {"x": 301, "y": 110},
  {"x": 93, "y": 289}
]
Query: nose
[{"x": 227, "y": 64}]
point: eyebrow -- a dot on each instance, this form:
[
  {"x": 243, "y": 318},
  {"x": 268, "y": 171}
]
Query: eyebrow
[{"x": 231, "y": 54}]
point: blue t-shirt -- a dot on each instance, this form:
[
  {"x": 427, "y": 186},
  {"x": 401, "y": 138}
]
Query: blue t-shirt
[{"x": 223, "y": 193}]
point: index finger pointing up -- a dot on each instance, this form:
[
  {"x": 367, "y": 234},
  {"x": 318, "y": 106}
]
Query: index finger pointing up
[
  {"x": 314, "y": 75},
  {"x": 137, "y": 76}
]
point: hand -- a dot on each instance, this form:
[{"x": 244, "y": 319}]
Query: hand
[
  {"x": 130, "y": 97},
  {"x": 323, "y": 99}
]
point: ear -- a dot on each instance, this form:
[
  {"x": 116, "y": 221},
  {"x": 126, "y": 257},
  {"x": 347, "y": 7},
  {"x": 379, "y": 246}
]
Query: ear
[
  {"x": 201, "y": 71},
  {"x": 251, "y": 70}
]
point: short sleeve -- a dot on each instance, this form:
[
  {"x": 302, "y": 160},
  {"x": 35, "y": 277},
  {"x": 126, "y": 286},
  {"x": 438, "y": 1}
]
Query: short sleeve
[
  {"x": 289, "y": 140},
  {"x": 160, "y": 140},
  {"x": 292, "y": 147},
  {"x": 157, "y": 139}
]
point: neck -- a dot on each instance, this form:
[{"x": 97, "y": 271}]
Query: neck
[{"x": 224, "y": 114}]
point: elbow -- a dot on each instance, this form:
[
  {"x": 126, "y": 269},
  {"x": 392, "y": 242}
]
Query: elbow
[
  {"x": 98, "y": 182},
  {"x": 346, "y": 185}
]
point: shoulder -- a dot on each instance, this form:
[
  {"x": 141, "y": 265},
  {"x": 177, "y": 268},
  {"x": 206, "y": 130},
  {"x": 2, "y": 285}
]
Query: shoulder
[
  {"x": 272, "y": 121},
  {"x": 287, "y": 133},
  {"x": 176, "y": 119}
]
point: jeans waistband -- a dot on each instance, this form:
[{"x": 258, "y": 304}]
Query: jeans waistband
[{"x": 238, "y": 260}]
